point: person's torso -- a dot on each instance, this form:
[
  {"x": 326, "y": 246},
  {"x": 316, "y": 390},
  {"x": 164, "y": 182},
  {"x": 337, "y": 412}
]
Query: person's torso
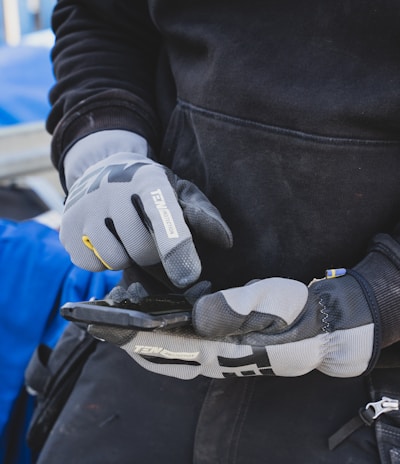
[{"x": 287, "y": 117}]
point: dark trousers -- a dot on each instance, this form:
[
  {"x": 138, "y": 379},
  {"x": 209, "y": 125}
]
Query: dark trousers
[{"x": 120, "y": 413}]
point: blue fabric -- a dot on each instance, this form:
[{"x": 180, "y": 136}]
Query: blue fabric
[
  {"x": 25, "y": 79},
  {"x": 34, "y": 271}
]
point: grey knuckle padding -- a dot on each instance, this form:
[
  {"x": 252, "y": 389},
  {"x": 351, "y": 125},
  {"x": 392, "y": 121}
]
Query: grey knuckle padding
[
  {"x": 118, "y": 294},
  {"x": 98, "y": 146},
  {"x": 134, "y": 292}
]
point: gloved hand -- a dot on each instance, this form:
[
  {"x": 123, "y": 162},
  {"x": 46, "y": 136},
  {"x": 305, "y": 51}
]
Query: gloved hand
[
  {"x": 126, "y": 207},
  {"x": 273, "y": 326}
]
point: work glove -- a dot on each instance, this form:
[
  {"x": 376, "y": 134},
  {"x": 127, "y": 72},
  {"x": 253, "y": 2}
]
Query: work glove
[
  {"x": 126, "y": 208},
  {"x": 280, "y": 326}
]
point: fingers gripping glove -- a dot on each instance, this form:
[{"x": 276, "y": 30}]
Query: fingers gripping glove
[{"x": 126, "y": 207}]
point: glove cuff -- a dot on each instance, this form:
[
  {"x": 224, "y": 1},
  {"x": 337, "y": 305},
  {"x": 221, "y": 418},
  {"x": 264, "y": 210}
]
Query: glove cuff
[
  {"x": 111, "y": 109},
  {"x": 96, "y": 147},
  {"x": 381, "y": 269}
]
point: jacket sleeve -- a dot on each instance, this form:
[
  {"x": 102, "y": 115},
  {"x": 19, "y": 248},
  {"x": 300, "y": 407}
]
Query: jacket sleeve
[
  {"x": 381, "y": 271},
  {"x": 104, "y": 59}
]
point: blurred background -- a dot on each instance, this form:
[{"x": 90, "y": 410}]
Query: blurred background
[
  {"x": 36, "y": 275},
  {"x": 28, "y": 181}
]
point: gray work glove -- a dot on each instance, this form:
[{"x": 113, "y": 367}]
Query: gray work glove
[
  {"x": 273, "y": 326},
  {"x": 126, "y": 207}
]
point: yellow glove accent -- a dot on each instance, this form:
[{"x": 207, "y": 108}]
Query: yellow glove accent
[{"x": 86, "y": 241}]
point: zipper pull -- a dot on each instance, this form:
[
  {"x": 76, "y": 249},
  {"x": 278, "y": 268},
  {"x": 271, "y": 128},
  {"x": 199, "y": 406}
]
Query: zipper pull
[
  {"x": 382, "y": 406},
  {"x": 366, "y": 416}
]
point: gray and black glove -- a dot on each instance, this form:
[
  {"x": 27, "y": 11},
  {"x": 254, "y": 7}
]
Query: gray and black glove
[
  {"x": 280, "y": 326},
  {"x": 127, "y": 208}
]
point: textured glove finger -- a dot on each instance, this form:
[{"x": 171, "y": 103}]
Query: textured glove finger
[
  {"x": 163, "y": 216},
  {"x": 201, "y": 215}
]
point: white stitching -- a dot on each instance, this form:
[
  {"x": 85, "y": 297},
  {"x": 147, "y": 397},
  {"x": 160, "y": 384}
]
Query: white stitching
[{"x": 324, "y": 320}]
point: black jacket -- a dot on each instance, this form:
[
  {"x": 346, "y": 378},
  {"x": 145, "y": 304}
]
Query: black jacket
[{"x": 286, "y": 114}]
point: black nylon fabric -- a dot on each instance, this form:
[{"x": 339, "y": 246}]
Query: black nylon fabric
[
  {"x": 129, "y": 415},
  {"x": 297, "y": 204},
  {"x": 382, "y": 269},
  {"x": 121, "y": 414}
]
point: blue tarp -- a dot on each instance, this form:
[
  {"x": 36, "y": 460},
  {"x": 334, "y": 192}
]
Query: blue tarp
[
  {"x": 36, "y": 277},
  {"x": 25, "y": 79}
]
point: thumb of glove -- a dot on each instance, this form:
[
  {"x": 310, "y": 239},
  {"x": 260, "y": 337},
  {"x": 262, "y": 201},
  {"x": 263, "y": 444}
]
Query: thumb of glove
[{"x": 203, "y": 217}]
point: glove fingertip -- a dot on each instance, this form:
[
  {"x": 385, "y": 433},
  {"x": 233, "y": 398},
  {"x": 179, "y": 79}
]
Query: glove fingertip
[
  {"x": 226, "y": 238},
  {"x": 198, "y": 290},
  {"x": 182, "y": 264}
]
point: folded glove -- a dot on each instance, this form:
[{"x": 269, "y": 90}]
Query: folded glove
[
  {"x": 127, "y": 208},
  {"x": 280, "y": 326}
]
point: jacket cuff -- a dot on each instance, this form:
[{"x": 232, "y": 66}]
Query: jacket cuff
[
  {"x": 381, "y": 269},
  {"x": 112, "y": 109}
]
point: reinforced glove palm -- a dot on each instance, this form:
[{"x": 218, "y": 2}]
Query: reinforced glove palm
[
  {"x": 273, "y": 326},
  {"x": 129, "y": 208}
]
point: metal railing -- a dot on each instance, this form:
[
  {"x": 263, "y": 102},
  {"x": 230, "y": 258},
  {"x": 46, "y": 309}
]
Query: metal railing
[
  {"x": 25, "y": 161},
  {"x": 20, "y": 17}
]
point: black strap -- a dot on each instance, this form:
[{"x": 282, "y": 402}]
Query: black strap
[
  {"x": 364, "y": 417},
  {"x": 38, "y": 374},
  {"x": 54, "y": 383}
]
